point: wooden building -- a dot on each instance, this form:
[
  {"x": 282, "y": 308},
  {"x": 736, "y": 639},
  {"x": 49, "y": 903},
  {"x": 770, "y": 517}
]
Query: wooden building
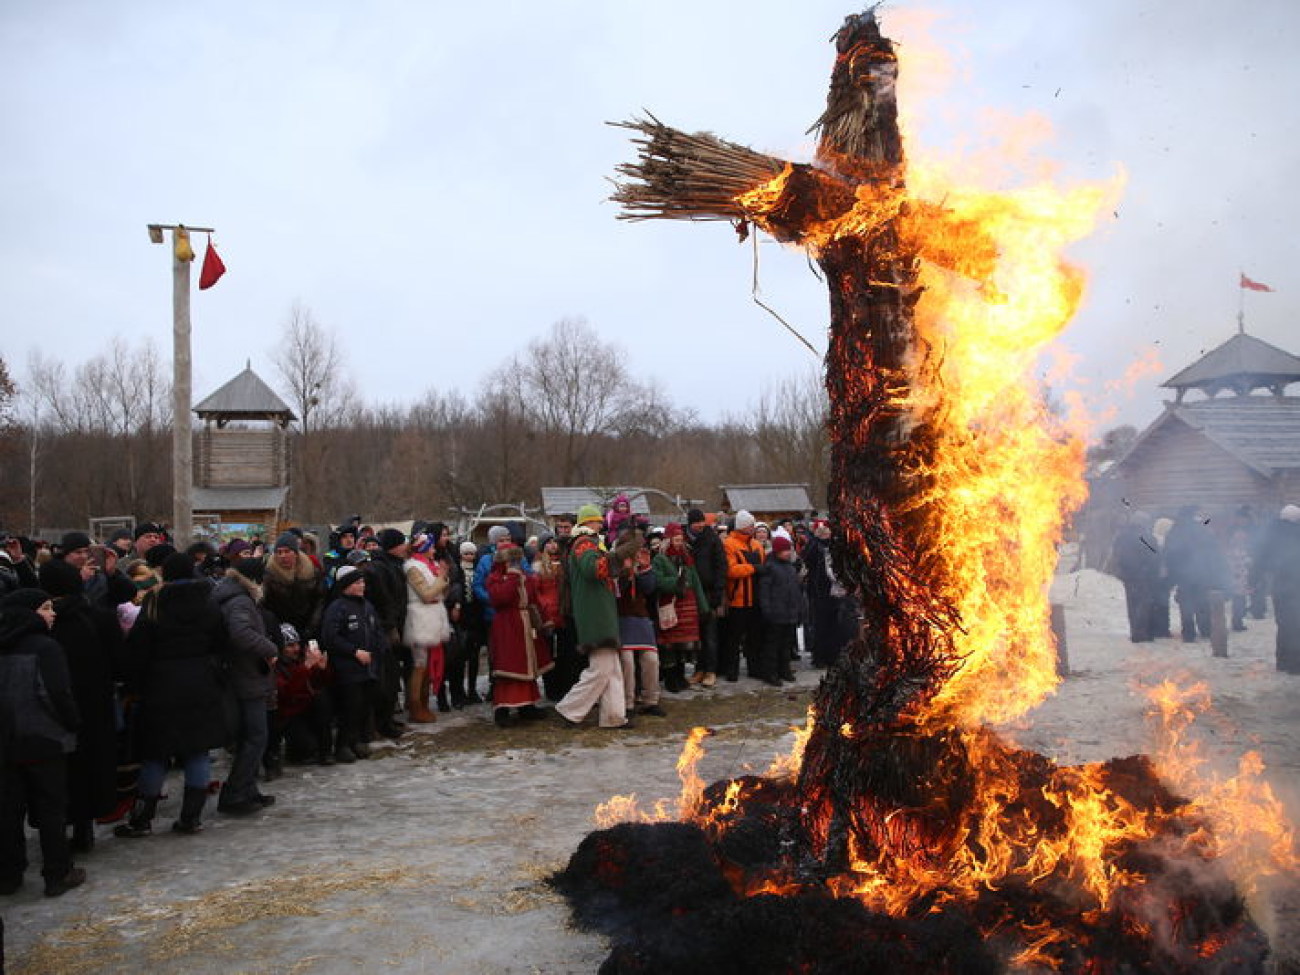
[
  {"x": 768, "y": 502},
  {"x": 241, "y": 471},
  {"x": 1231, "y": 437}
]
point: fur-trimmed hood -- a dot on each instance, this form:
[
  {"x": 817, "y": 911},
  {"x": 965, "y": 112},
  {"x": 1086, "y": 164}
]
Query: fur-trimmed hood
[{"x": 304, "y": 570}]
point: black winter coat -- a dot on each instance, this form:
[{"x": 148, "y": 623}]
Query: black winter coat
[
  {"x": 38, "y": 714},
  {"x": 250, "y": 652},
  {"x": 92, "y": 643},
  {"x": 710, "y": 563},
  {"x": 350, "y": 624},
  {"x": 780, "y": 593},
  {"x": 175, "y": 666}
]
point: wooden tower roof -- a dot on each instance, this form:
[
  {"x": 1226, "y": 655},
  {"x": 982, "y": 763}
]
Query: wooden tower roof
[
  {"x": 1240, "y": 365},
  {"x": 246, "y": 397}
]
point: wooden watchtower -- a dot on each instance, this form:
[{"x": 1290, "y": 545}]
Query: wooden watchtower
[{"x": 241, "y": 475}]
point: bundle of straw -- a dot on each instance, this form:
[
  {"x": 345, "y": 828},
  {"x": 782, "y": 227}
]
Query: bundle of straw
[{"x": 687, "y": 177}]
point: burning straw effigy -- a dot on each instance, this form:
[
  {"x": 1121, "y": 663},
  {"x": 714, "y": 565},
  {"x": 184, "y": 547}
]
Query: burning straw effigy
[{"x": 911, "y": 838}]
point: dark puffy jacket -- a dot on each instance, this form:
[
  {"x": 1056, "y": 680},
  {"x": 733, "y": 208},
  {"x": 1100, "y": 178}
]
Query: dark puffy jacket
[
  {"x": 780, "y": 594},
  {"x": 175, "y": 666},
  {"x": 38, "y": 714},
  {"x": 250, "y": 652},
  {"x": 710, "y": 563},
  {"x": 350, "y": 624}
]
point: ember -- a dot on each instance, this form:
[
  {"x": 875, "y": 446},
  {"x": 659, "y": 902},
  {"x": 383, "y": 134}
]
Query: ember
[{"x": 904, "y": 835}]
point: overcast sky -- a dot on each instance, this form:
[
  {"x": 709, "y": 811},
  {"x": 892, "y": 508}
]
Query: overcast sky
[{"x": 430, "y": 179}]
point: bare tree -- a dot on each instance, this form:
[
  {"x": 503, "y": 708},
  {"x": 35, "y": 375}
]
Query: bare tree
[
  {"x": 572, "y": 386},
  {"x": 310, "y": 363}
]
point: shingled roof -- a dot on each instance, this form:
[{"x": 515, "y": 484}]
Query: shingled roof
[
  {"x": 1263, "y": 432},
  {"x": 767, "y": 497},
  {"x": 245, "y": 397},
  {"x": 1241, "y": 364},
  {"x": 567, "y": 500}
]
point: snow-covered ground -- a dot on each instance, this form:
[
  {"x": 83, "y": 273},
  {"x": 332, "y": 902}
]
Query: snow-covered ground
[{"x": 428, "y": 859}]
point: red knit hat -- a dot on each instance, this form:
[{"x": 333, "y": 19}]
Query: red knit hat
[{"x": 780, "y": 544}]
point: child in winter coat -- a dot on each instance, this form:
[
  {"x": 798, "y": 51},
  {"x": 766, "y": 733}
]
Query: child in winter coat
[{"x": 781, "y": 601}]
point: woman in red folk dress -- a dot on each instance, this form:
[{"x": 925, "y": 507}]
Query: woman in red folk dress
[{"x": 519, "y": 654}]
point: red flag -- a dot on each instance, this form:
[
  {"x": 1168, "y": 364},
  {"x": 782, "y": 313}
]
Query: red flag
[
  {"x": 1245, "y": 283},
  {"x": 213, "y": 268}
]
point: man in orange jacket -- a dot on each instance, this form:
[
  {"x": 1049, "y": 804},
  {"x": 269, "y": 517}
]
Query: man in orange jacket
[{"x": 744, "y": 622}]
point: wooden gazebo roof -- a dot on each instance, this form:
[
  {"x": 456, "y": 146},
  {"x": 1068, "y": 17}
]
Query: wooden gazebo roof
[
  {"x": 246, "y": 397},
  {"x": 1240, "y": 365}
]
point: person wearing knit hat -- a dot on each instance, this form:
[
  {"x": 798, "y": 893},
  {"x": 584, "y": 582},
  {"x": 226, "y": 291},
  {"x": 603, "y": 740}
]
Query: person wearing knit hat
[
  {"x": 291, "y": 585},
  {"x": 288, "y": 540},
  {"x": 745, "y": 558},
  {"x": 158, "y": 554},
  {"x": 34, "y": 776},
  {"x": 147, "y": 535},
  {"x": 781, "y": 603},
  {"x": 353, "y": 639},
  {"x": 121, "y": 540},
  {"x": 390, "y": 538},
  {"x": 1277, "y": 569},
  {"x": 710, "y": 560}
]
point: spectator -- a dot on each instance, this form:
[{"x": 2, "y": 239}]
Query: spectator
[
  {"x": 250, "y": 655},
  {"x": 711, "y": 566},
  {"x": 677, "y": 586},
  {"x": 386, "y": 591},
  {"x": 744, "y": 624},
  {"x": 173, "y": 667},
  {"x": 92, "y": 645},
  {"x": 291, "y": 589},
  {"x": 1196, "y": 566},
  {"x": 427, "y": 627},
  {"x": 303, "y": 717},
  {"x": 38, "y": 730},
  {"x": 471, "y": 629},
  {"x": 781, "y": 602},
  {"x": 828, "y": 602},
  {"x": 147, "y": 535},
  {"x": 353, "y": 640}
]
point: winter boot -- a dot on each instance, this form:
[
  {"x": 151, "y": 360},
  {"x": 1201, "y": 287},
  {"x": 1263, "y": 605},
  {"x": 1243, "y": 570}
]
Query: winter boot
[
  {"x": 192, "y": 803},
  {"x": 443, "y": 704},
  {"x": 417, "y": 697},
  {"x": 83, "y": 836},
  {"x": 471, "y": 678},
  {"x": 272, "y": 764},
  {"x": 140, "y": 822}
]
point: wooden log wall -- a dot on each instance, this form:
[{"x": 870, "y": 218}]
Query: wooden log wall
[{"x": 242, "y": 458}]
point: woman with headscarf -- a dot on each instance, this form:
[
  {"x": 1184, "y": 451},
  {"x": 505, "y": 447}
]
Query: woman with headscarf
[
  {"x": 38, "y": 730},
  {"x": 174, "y": 665},
  {"x": 519, "y": 655},
  {"x": 680, "y": 603},
  {"x": 92, "y": 645}
]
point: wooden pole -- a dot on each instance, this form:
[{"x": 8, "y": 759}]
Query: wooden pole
[{"x": 182, "y": 438}]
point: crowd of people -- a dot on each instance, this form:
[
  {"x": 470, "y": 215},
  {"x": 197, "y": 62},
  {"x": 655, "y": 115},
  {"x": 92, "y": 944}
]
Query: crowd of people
[
  {"x": 122, "y": 661},
  {"x": 1199, "y": 564}
]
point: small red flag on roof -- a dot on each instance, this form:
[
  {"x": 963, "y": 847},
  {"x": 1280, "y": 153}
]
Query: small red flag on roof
[
  {"x": 1246, "y": 282},
  {"x": 214, "y": 267}
]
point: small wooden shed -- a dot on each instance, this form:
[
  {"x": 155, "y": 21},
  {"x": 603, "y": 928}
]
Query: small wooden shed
[
  {"x": 241, "y": 474},
  {"x": 768, "y": 502},
  {"x": 1236, "y": 443}
]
